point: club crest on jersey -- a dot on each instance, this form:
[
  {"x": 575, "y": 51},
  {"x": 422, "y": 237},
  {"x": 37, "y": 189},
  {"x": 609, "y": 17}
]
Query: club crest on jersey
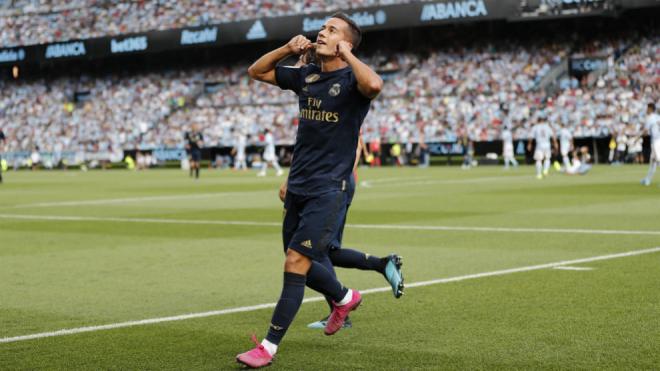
[
  {"x": 334, "y": 90},
  {"x": 312, "y": 78}
]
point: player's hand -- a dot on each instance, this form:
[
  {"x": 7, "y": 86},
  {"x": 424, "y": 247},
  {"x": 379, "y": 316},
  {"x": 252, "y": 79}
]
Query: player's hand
[
  {"x": 283, "y": 189},
  {"x": 344, "y": 49},
  {"x": 529, "y": 148},
  {"x": 299, "y": 45}
]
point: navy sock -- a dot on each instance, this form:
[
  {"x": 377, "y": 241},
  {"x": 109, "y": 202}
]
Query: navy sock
[
  {"x": 321, "y": 280},
  {"x": 287, "y": 307},
  {"x": 197, "y": 172},
  {"x": 347, "y": 258},
  {"x": 328, "y": 265}
]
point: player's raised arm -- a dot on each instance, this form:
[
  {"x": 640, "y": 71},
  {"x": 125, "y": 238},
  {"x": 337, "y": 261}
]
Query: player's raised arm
[
  {"x": 264, "y": 68},
  {"x": 368, "y": 81}
]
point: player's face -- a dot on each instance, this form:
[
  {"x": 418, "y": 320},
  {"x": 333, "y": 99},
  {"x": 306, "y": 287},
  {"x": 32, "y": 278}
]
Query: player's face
[{"x": 332, "y": 32}]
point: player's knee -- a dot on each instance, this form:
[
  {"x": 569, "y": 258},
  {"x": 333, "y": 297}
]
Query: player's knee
[{"x": 296, "y": 262}]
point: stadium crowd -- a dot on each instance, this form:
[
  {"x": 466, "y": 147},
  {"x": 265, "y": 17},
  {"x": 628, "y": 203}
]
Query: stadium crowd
[
  {"x": 437, "y": 96},
  {"x": 27, "y": 22}
]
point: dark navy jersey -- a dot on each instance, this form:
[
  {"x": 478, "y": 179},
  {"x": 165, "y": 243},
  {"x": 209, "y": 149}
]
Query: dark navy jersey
[
  {"x": 193, "y": 139},
  {"x": 331, "y": 113}
]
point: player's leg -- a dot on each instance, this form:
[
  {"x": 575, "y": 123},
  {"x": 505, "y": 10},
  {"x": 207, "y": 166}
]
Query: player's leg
[
  {"x": 538, "y": 158},
  {"x": 264, "y": 168},
  {"x": 547, "y": 155},
  {"x": 653, "y": 165},
  {"x": 306, "y": 246},
  {"x": 389, "y": 266},
  {"x": 276, "y": 166},
  {"x": 653, "y": 162},
  {"x": 566, "y": 161}
]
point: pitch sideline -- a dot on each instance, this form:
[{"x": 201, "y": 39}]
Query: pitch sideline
[{"x": 356, "y": 226}]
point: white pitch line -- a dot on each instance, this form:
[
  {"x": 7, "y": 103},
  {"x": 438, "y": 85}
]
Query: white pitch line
[
  {"x": 369, "y": 183},
  {"x": 402, "y": 227},
  {"x": 567, "y": 268},
  {"x": 319, "y": 298},
  {"x": 110, "y": 201}
]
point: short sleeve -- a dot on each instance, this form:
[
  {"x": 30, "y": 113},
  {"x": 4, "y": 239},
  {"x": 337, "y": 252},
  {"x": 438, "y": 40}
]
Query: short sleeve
[
  {"x": 289, "y": 78},
  {"x": 354, "y": 86}
]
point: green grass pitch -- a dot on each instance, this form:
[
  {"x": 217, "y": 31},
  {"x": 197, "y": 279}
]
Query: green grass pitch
[{"x": 86, "y": 249}]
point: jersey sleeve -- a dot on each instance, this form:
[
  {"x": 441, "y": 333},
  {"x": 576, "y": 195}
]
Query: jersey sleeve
[
  {"x": 354, "y": 86},
  {"x": 289, "y": 78}
]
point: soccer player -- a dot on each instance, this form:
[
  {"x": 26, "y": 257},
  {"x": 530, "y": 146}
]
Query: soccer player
[
  {"x": 269, "y": 155},
  {"x": 240, "y": 144},
  {"x": 3, "y": 141},
  {"x": 565, "y": 145},
  {"x": 389, "y": 266},
  {"x": 194, "y": 142},
  {"x": 334, "y": 98},
  {"x": 652, "y": 129},
  {"x": 507, "y": 148},
  {"x": 542, "y": 134}
]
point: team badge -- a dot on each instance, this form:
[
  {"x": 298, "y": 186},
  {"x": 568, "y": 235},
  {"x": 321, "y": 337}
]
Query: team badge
[
  {"x": 312, "y": 78},
  {"x": 335, "y": 90}
]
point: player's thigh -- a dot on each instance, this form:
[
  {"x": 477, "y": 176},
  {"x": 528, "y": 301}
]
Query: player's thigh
[
  {"x": 290, "y": 219},
  {"x": 320, "y": 219},
  {"x": 655, "y": 150},
  {"x": 538, "y": 155}
]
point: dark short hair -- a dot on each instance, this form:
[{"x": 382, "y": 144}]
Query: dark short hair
[
  {"x": 356, "y": 32},
  {"x": 651, "y": 106}
]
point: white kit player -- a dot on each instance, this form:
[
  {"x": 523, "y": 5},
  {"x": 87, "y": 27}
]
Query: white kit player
[
  {"x": 269, "y": 155},
  {"x": 653, "y": 129},
  {"x": 565, "y": 145},
  {"x": 507, "y": 148},
  {"x": 239, "y": 151},
  {"x": 542, "y": 135}
]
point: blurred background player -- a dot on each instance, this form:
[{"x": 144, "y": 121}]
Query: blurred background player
[
  {"x": 566, "y": 144},
  {"x": 240, "y": 144},
  {"x": 507, "y": 148},
  {"x": 542, "y": 135},
  {"x": 194, "y": 143},
  {"x": 269, "y": 155},
  {"x": 653, "y": 130},
  {"x": 581, "y": 162}
]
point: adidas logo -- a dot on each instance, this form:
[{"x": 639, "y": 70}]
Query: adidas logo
[
  {"x": 307, "y": 244},
  {"x": 257, "y": 31}
]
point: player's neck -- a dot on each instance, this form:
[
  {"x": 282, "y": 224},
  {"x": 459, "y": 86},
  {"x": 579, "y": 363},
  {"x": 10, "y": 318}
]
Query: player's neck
[{"x": 329, "y": 64}]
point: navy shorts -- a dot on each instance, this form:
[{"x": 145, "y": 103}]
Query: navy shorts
[
  {"x": 311, "y": 223},
  {"x": 336, "y": 242},
  {"x": 195, "y": 155}
]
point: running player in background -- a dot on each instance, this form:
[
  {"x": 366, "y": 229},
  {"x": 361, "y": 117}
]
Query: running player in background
[
  {"x": 542, "y": 134},
  {"x": 334, "y": 98},
  {"x": 566, "y": 145},
  {"x": 507, "y": 148},
  {"x": 194, "y": 143},
  {"x": 652, "y": 129},
  {"x": 269, "y": 155}
]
